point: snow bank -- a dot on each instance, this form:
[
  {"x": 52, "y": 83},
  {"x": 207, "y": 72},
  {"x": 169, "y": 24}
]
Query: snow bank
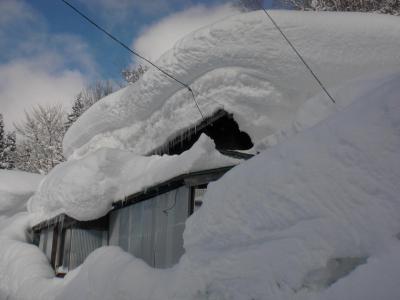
[
  {"x": 25, "y": 272},
  {"x": 86, "y": 188},
  {"x": 315, "y": 217},
  {"x": 22, "y": 265},
  {"x": 15, "y": 189},
  {"x": 243, "y": 65},
  {"x": 316, "y": 109},
  {"x": 329, "y": 192}
]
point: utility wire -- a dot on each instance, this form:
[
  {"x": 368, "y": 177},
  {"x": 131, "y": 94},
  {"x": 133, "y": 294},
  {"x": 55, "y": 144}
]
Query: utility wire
[
  {"x": 134, "y": 53},
  {"x": 297, "y": 52}
]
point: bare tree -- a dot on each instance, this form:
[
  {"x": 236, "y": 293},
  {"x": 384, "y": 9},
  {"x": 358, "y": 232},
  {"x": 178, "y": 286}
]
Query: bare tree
[
  {"x": 382, "y": 6},
  {"x": 39, "y": 148},
  {"x": 131, "y": 75}
]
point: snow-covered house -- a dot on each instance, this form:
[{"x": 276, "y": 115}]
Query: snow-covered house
[
  {"x": 148, "y": 223},
  {"x": 141, "y": 158}
]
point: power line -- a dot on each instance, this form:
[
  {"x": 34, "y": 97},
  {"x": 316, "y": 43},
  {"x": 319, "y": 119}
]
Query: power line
[
  {"x": 297, "y": 52},
  {"x": 134, "y": 52}
]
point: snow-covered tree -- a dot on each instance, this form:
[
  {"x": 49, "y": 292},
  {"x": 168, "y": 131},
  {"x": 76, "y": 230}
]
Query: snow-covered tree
[
  {"x": 248, "y": 5},
  {"x": 383, "y": 6},
  {"x": 41, "y": 134},
  {"x": 7, "y": 147},
  {"x": 95, "y": 92},
  {"x": 10, "y": 151},
  {"x": 131, "y": 75},
  {"x": 86, "y": 98},
  {"x": 77, "y": 110},
  {"x": 2, "y": 132},
  {"x": 2, "y": 142}
]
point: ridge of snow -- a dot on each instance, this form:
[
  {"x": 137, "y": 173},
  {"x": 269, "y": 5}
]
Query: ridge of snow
[{"x": 242, "y": 65}]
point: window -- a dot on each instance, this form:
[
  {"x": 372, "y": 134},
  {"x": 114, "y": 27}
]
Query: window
[
  {"x": 152, "y": 229},
  {"x": 198, "y": 194}
]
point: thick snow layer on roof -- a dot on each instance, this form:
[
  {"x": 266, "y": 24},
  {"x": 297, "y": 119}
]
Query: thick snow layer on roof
[
  {"x": 86, "y": 188},
  {"x": 243, "y": 65},
  {"x": 314, "y": 217},
  {"x": 15, "y": 189}
]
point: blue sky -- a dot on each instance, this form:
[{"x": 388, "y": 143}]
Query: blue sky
[
  {"x": 125, "y": 21},
  {"x": 48, "y": 53}
]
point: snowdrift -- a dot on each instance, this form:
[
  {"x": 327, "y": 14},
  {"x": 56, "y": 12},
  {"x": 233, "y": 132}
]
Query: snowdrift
[
  {"x": 244, "y": 66},
  {"x": 22, "y": 265},
  {"x": 314, "y": 217}
]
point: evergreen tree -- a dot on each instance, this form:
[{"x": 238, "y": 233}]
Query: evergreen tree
[
  {"x": 86, "y": 98},
  {"x": 7, "y": 147},
  {"x": 10, "y": 151},
  {"x": 77, "y": 110},
  {"x": 2, "y": 143}
]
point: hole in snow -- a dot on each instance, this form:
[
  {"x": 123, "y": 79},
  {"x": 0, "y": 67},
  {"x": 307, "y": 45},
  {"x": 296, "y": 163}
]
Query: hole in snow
[
  {"x": 221, "y": 128},
  {"x": 335, "y": 269}
]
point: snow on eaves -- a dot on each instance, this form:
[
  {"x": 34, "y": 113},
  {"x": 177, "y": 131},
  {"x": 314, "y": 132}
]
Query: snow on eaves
[
  {"x": 244, "y": 66},
  {"x": 86, "y": 188}
]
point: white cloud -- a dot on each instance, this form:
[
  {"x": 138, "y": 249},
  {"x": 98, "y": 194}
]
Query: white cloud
[
  {"x": 13, "y": 9},
  {"x": 26, "y": 83},
  {"x": 162, "y": 35},
  {"x": 43, "y": 67}
]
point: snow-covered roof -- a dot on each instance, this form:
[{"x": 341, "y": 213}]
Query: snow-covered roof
[
  {"x": 244, "y": 66},
  {"x": 86, "y": 188}
]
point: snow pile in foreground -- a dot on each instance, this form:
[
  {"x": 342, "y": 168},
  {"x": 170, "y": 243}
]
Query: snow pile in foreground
[
  {"x": 15, "y": 189},
  {"x": 25, "y": 272},
  {"x": 86, "y": 188},
  {"x": 243, "y": 65},
  {"x": 22, "y": 265},
  {"x": 315, "y": 217}
]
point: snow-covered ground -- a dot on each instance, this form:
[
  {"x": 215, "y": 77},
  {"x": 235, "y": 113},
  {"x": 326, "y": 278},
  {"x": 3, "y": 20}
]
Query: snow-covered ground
[
  {"x": 314, "y": 217},
  {"x": 243, "y": 65}
]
